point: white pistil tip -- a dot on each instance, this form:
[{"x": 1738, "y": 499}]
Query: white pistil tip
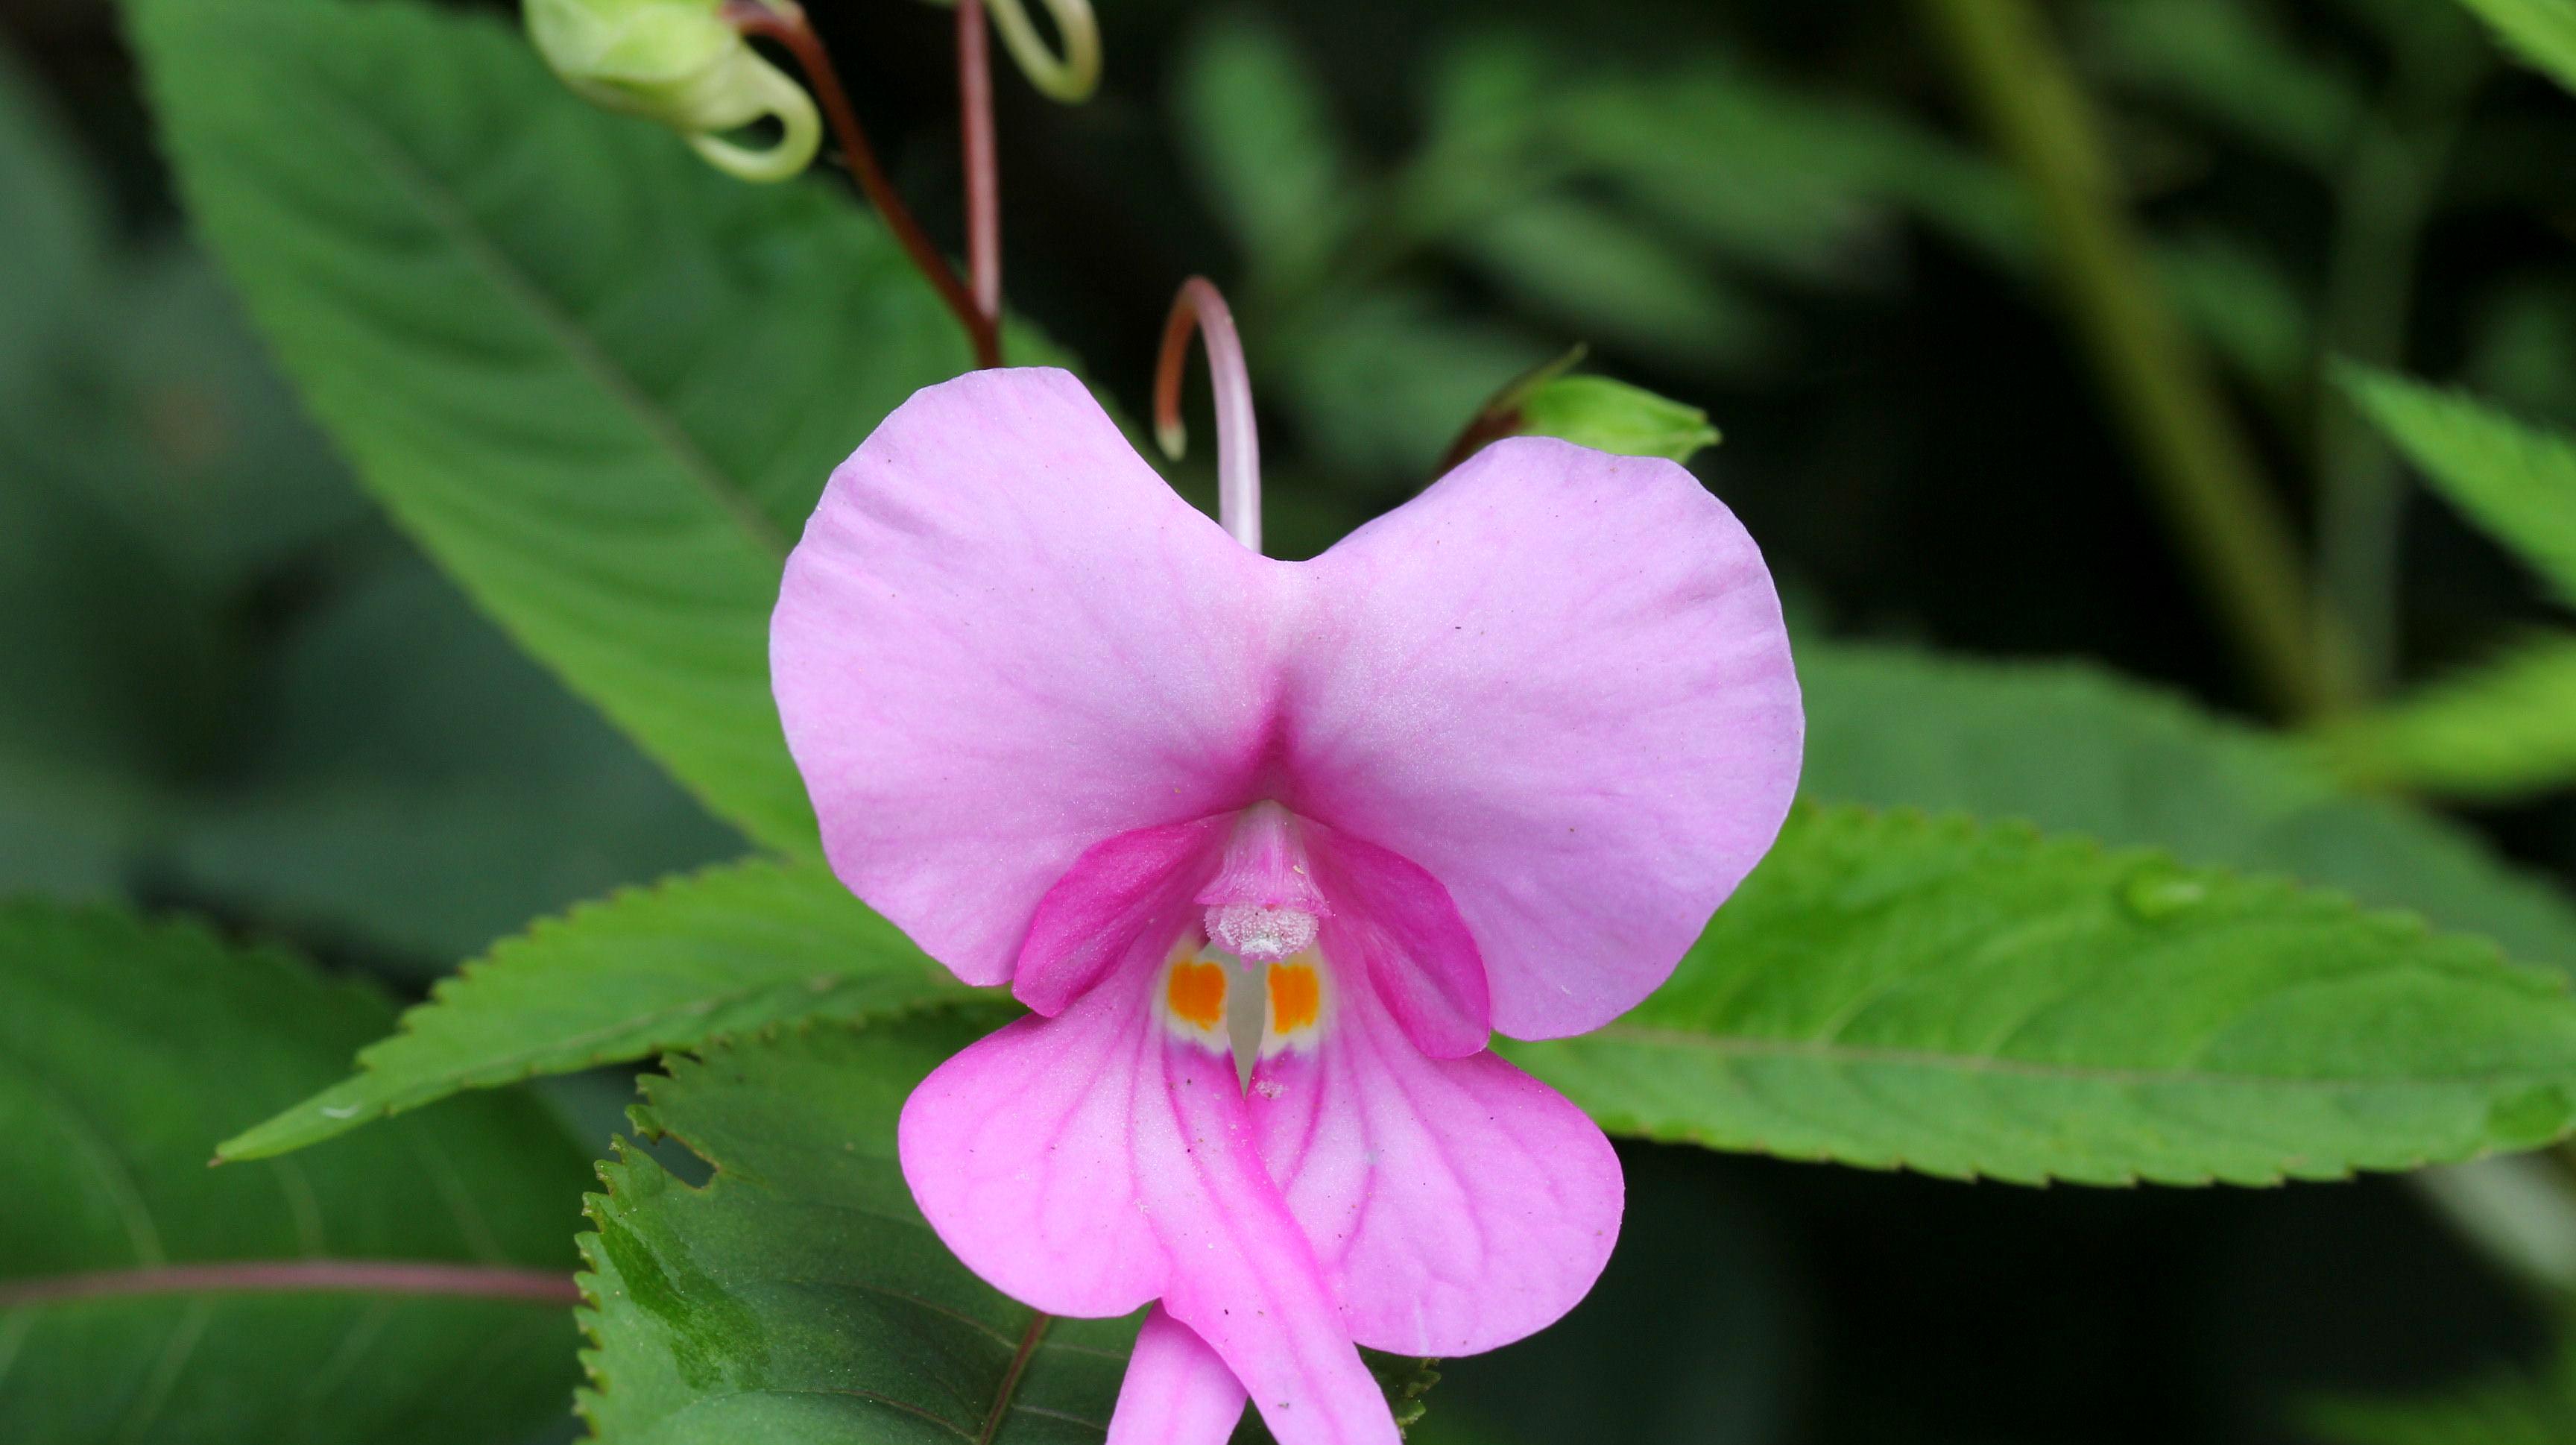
[{"x": 1260, "y": 932}]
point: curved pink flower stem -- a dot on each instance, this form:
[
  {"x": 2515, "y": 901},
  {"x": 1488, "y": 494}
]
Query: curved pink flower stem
[
  {"x": 983, "y": 170},
  {"x": 1238, "y": 449}
]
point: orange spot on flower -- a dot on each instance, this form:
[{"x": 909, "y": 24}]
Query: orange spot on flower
[
  {"x": 1196, "y": 992},
  {"x": 1296, "y": 996}
]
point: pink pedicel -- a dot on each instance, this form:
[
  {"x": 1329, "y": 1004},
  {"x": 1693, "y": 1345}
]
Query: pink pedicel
[{"x": 1269, "y": 848}]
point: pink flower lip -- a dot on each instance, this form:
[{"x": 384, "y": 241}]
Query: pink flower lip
[{"x": 1490, "y": 763}]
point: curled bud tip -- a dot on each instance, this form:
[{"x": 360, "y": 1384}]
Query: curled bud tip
[
  {"x": 679, "y": 62},
  {"x": 1070, "y": 77}
]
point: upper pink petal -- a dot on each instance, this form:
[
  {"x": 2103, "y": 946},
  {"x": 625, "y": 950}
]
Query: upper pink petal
[
  {"x": 1456, "y": 1204},
  {"x": 1002, "y": 639},
  {"x": 1558, "y": 681}
]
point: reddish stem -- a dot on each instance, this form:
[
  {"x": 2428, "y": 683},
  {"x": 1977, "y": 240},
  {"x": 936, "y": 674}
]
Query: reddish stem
[
  {"x": 300, "y": 1276},
  {"x": 983, "y": 170},
  {"x": 789, "y": 28},
  {"x": 1201, "y": 307}
]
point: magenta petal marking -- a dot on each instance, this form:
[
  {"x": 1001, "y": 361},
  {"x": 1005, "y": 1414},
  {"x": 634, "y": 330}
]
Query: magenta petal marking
[
  {"x": 1244, "y": 1277},
  {"x": 1177, "y": 1392},
  {"x": 1001, "y": 640},
  {"x": 1105, "y": 903},
  {"x": 1456, "y": 1204},
  {"x": 1558, "y": 681},
  {"x": 1397, "y": 924},
  {"x": 1090, "y": 1162}
]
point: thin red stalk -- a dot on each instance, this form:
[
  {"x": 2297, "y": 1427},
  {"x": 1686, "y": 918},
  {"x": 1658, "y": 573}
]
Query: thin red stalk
[
  {"x": 301, "y": 1276},
  {"x": 1201, "y": 307},
  {"x": 790, "y": 29},
  {"x": 983, "y": 170}
]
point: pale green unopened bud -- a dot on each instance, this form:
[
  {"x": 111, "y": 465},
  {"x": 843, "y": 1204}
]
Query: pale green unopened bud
[
  {"x": 679, "y": 63},
  {"x": 1612, "y": 416}
]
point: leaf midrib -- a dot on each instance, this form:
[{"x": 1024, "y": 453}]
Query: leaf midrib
[{"x": 448, "y": 212}]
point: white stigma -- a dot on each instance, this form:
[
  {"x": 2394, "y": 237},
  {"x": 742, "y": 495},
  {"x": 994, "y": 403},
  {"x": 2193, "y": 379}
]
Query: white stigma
[{"x": 1261, "y": 932}]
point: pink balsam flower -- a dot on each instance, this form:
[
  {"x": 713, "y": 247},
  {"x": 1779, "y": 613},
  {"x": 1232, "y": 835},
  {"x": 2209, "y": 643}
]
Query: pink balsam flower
[{"x": 1490, "y": 763}]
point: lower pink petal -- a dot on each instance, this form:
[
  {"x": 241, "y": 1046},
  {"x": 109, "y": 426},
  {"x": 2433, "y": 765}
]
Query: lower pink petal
[
  {"x": 1021, "y": 1151},
  {"x": 1090, "y": 1162},
  {"x": 1244, "y": 1277},
  {"x": 1177, "y": 1392},
  {"x": 1456, "y": 1204}
]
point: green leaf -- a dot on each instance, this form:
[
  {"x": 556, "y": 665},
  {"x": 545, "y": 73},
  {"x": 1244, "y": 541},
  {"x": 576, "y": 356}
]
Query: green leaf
[
  {"x": 53, "y": 216},
  {"x": 2223, "y": 61},
  {"x": 1258, "y": 129},
  {"x": 1612, "y": 416},
  {"x": 2541, "y": 32},
  {"x": 2075, "y": 749},
  {"x": 2503, "y": 730},
  {"x": 1613, "y": 279},
  {"x": 1896, "y": 991},
  {"x": 146, "y": 1297},
  {"x": 2239, "y": 299},
  {"x": 2502, "y": 1408},
  {"x": 2516, "y": 481},
  {"x": 642, "y": 972},
  {"x": 601, "y": 383},
  {"x": 798, "y": 1297},
  {"x": 1381, "y": 379},
  {"x": 371, "y": 807}
]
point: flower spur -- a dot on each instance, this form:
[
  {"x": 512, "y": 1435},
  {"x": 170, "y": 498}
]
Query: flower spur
[{"x": 1268, "y": 848}]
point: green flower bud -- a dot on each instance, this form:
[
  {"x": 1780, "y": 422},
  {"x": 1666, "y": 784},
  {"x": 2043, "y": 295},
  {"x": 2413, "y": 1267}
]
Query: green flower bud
[
  {"x": 1612, "y": 416},
  {"x": 679, "y": 63}
]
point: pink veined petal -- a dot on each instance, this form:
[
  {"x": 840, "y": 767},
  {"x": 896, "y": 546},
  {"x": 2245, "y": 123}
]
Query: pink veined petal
[
  {"x": 1558, "y": 681},
  {"x": 1022, "y": 1153},
  {"x": 1395, "y": 921},
  {"x": 1456, "y": 1204},
  {"x": 1090, "y": 1162},
  {"x": 1001, "y": 640},
  {"x": 1177, "y": 1392},
  {"x": 1108, "y": 899}
]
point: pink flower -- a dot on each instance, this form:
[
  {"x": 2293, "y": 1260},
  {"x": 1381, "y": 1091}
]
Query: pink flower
[{"x": 1489, "y": 763}]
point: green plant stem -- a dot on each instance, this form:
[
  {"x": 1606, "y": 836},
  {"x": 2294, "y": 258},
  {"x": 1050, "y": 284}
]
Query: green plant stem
[
  {"x": 2360, "y": 494},
  {"x": 2383, "y": 200},
  {"x": 2237, "y": 538}
]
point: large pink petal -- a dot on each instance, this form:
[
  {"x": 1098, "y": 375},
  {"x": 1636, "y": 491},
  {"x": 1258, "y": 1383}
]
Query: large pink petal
[
  {"x": 1003, "y": 639},
  {"x": 1087, "y": 1163},
  {"x": 1558, "y": 681},
  {"x": 1456, "y": 1204},
  {"x": 1177, "y": 1392}
]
